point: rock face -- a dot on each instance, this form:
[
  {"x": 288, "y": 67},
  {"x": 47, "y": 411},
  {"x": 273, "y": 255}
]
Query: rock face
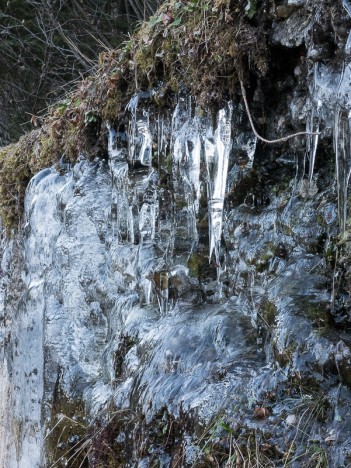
[{"x": 186, "y": 302}]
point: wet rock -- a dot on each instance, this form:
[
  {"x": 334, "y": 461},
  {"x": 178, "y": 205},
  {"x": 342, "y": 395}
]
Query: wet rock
[
  {"x": 343, "y": 362},
  {"x": 281, "y": 251},
  {"x": 284, "y": 11},
  {"x": 329, "y": 213},
  {"x": 296, "y": 2},
  {"x": 292, "y": 31},
  {"x": 308, "y": 189},
  {"x": 322, "y": 52}
]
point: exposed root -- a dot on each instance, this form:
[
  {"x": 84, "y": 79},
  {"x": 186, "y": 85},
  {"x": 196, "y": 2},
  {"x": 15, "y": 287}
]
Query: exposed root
[{"x": 270, "y": 142}]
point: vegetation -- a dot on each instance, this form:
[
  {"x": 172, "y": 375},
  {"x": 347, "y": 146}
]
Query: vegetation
[
  {"x": 232, "y": 442},
  {"x": 221, "y": 444}
]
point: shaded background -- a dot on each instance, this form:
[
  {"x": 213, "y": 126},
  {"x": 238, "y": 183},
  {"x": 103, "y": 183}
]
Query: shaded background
[{"x": 47, "y": 44}]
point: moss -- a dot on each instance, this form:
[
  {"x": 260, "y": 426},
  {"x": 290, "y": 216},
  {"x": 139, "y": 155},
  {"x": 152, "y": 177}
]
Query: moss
[
  {"x": 198, "y": 266},
  {"x": 263, "y": 261},
  {"x": 268, "y": 312},
  {"x": 331, "y": 253},
  {"x": 15, "y": 167},
  {"x": 284, "y": 356},
  {"x": 144, "y": 61},
  {"x": 223, "y": 433},
  {"x": 249, "y": 183},
  {"x": 317, "y": 312},
  {"x": 111, "y": 106},
  {"x": 264, "y": 258}
]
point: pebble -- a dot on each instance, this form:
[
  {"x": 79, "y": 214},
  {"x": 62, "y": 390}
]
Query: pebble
[{"x": 291, "y": 420}]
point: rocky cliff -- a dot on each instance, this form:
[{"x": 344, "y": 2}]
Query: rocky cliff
[{"x": 178, "y": 293}]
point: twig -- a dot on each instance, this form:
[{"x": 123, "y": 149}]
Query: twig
[{"x": 279, "y": 140}]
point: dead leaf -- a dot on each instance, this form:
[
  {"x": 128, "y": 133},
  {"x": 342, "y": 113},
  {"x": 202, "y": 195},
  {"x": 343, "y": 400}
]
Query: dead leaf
[
  {"x": 147, "y": 40},
  {"x": 227, "y": 16},
  {"x": 331, "y": 438},
  {"x": 261, "y": 413},
  {"x": 57, "y": 127},
  {"x": 34, "y": 120},
  {"x": 167, "y": 18},
  {"x": 266, "y": 447}
]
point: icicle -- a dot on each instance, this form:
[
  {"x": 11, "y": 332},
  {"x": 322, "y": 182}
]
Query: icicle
[
  {"x": 160, "y": 279},
  {"x": 312, "y": 141},
  {"x": 132, "y": 126},
  {"x": 313, "y": 128},
  {"x": 143, "y": 126},
  {"x": 342, "y": 141},
  {"x": 308, "y": 187},
  {"x": 114, "y": 148},
  {"x": 163, "y": 141},
  {"x": 147, "y": 222},
  {"x": 217, "y": 149},
  {"x": 140, "y": 136},
  {"x": 193, "y": 154},
  {"x": 122, "y": 218},
  {"x": 112, "y": 134},
  {"x": 347, "y": 7},
  {"x": 186, "y": 150}
]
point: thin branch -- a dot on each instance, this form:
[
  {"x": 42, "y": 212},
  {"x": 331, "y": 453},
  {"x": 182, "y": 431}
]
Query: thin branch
[{"x": 271, "y": 142}]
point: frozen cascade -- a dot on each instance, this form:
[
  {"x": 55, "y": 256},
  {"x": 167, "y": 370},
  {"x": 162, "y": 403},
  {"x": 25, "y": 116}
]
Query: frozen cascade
[
  {"x": 72, "y": 242},
  {"x": 330, "y": 85},
  {"x": 79, "y": 207},
  {"x": 64, "y": 258},
  {"x": 194, "y": 138},
  {"x": 27, "y": 382}
]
